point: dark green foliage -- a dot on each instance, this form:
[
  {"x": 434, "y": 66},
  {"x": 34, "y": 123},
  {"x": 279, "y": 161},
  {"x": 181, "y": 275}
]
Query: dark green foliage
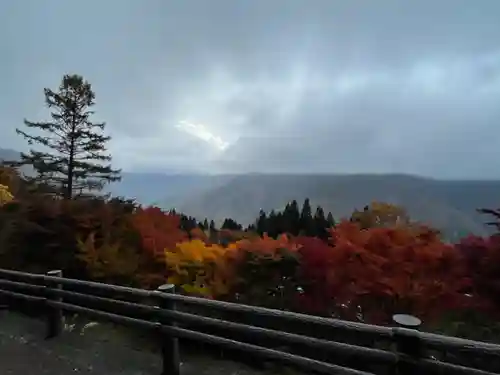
[
  {"x": 230, "y": 224},
  {"x": 306, "y": 219},
  {"x": 261, "y": 224},
  {"x": 330, "y": 220},
  {"x": 320, "y": 224},
  {"x": 76, "y": 162},
  {"x": 128, "y": 205},
  {"x": 211, "y": 226},
  {"x": 205, "y": 224},
  {"x": 273, "y": 224},
  {"x": 188, "y": 223},
  {"x": 292, "y": 217},
  {"x": 496, "y": 217},
  {"x": 293, "y": 222}
]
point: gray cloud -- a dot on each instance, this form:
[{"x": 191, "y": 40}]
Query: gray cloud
[{"x": 386, "y": 86}]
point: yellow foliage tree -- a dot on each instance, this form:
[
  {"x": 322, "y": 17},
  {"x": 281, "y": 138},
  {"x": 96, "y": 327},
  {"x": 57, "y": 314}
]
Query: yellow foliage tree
[
  {"x": 379, "y": 214},
  {"x": 5, "y": 195},
  {"x": 10, "y": 178},
  {"x": 200, "y": 268}
]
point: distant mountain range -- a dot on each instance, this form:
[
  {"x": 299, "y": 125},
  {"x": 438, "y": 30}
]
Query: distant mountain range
[{"x": 445, "y": 204}]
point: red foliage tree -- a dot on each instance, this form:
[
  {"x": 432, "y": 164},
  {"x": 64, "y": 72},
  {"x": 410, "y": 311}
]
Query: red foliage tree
[
  {"x": 158, "y": 230},
  {"x": 482, "y": 259},
  {"x": 373, "y": 273}
]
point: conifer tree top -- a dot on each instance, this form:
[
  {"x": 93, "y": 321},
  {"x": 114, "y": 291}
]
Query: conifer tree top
[{"x": 73, "y": 160}]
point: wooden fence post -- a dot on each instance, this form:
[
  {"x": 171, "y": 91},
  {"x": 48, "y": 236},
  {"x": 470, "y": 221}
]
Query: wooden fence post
[
  {"x": 169, "y": 343},
  {"x": 55, "y": 318},
  {"x": 408, "y": 345}
]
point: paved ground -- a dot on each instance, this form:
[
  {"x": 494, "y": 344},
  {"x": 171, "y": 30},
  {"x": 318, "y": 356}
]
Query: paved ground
[{"x": 93, "y": 350}]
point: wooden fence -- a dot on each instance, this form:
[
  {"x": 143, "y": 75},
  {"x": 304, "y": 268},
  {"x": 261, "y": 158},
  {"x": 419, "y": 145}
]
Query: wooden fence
[{"x": 315, "y": 344}]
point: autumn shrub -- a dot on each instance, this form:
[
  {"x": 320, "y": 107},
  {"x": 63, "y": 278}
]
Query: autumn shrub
[
  {"x": 373, "y": 273},
  {"x": 43, "y": 233},
  {"x": 104, "y": 240},
  {"x": 109, "y": 245},
  {"x": 36, "y": 235}
]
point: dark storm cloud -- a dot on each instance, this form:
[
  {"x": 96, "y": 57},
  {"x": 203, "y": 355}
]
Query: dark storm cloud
[{"x": 341, "y": 86}]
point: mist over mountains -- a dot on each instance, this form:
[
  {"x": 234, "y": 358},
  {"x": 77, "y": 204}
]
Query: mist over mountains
[{"x": 449, "y": 205}]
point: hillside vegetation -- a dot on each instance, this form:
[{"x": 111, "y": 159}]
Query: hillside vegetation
[
  {"x": 380, "y": 256},
  {"x": 447, "y": 205},
  {"x": 378, "y": 263}
]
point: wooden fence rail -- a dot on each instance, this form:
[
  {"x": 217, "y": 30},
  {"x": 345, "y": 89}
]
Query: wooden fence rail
[{"x": 316, "y": 344}]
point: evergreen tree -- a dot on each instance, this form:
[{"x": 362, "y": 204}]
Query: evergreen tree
[
  {"x": 212, "y": 226},
  {"x": 272, "y": 224},
  {"x": 306, "y": 220},
  {"x": 230, "y": 224},
  {"x": 212, "y": 232},
  {"x": 261, "y": 224},
  {"x": 330, "y": 220},
  {"x": 127, "y": 205},
  {"x": 292, "y": 218},
  {"x": 320, "y": 224},
  {"x": 280, "y": 225},
  {"x": 187, "y": 223},
  {"x": 77, "y": 161},
  {"x": 285, "y": 224}
]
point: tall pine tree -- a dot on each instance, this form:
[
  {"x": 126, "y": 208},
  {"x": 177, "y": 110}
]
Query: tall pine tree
[
  {"x": 261, "y": 223},
  {"x": 320, "y": 223},
  {"x": 330, "y": 220},
  {"x": 231, "y": 224},
  {"x": 293, "y": 218},
  {"x": 76, "y": 161},
  {"x": 306, "y": 219}
]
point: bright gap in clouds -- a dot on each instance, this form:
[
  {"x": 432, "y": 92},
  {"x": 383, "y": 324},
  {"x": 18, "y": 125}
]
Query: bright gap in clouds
[{"x": 200, "y": 131}]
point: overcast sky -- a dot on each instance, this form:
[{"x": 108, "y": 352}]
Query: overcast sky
[{"x": 260, "y": 85}]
